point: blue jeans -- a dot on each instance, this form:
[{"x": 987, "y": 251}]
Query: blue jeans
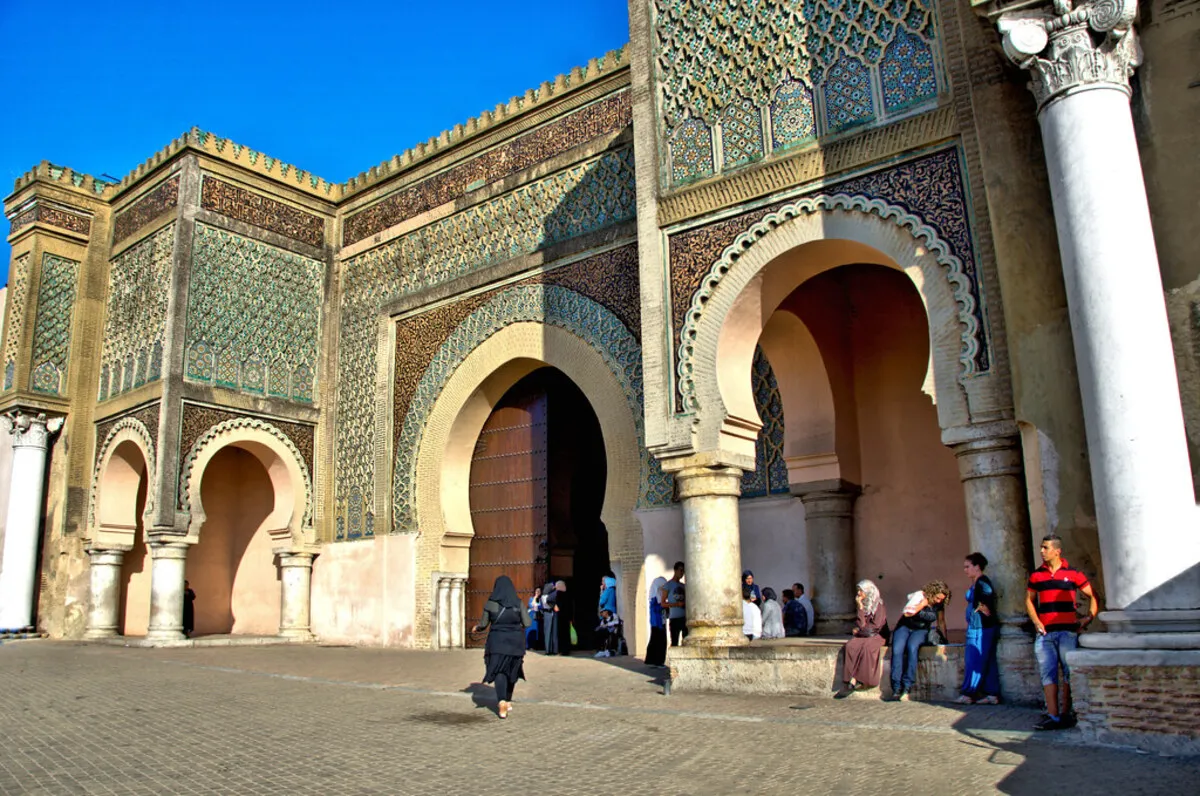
[
  {"x": 906, "y": 646},
  {"x": 1049, "y": 649}
]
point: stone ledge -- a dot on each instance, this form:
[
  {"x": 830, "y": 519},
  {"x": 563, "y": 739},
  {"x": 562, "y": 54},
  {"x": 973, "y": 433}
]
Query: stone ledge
[{"x": 204, "y": 641}]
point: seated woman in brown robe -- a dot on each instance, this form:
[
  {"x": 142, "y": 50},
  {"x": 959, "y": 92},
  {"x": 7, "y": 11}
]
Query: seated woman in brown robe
[{"x": 864, "y": 651}]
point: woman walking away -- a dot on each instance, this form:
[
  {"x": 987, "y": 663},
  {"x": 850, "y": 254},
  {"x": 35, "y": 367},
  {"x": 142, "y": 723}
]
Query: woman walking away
[
  {"x": 504, "y": 652},
  {"x": 981, "y": 681},
  {"x": 656, "y": 650},
  {"x": 865, "y": 649},
  {"x": 925, "y": 610},
  {"x": 772, "y": 615}
]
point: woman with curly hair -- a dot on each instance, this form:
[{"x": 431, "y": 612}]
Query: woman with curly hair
[{"x": 925, "y": 610}]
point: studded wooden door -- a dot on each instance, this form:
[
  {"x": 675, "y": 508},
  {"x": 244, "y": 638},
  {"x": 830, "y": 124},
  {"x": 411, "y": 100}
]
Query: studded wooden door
[{"x": 508, "y": 499}]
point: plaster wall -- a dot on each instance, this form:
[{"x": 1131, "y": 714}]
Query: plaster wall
[
  {"x": 232, "y": 568},
  {"x": 134, "y": 610},
  {"x": 773, "y": 541},
  {"x": 362, "y": 591}
]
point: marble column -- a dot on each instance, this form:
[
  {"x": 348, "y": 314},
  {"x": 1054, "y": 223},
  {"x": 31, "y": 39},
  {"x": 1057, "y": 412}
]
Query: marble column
[
  {"x": 295, "y": 606},
  {"x": 443, "y": 612},
  {"x": 166, "y": 590},
  {"x": 829, "y": 529},
  {"x": 993, "y": 477},
  {"x": 458, "y": 610},
  {"x": 712, "y": 554},
  {"x": 1080, "y": 57},
  {"x": 23, "y": 527},
  {"x": 106, "y": 593}
]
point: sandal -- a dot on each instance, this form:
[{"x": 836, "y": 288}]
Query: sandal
[
  {"x": 965, "y": 700},
  {"x": 990, "y": 699}
]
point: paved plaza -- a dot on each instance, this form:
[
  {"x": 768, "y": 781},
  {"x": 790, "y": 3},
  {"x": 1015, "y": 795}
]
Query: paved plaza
[{"x": 80, "y": 718}]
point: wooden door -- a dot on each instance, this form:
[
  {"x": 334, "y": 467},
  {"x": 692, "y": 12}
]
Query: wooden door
[{"x": 508, "y": 499}]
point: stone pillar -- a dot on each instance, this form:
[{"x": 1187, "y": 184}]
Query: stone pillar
[
  {"x": 166, "y": 590},
  {"x": 106, "y": 593},
  {"x": 712, "y": 554},
  {"x": 295, "y": 606},
  {"x": 443, "y": 612},
  {"x": 1080, "y": 57},
  {"x": 23, "y": 529},
  {"x": 829, "y": 529},
  {"x": 458, "y": 610},
  {"x": 993, "y": 478}
]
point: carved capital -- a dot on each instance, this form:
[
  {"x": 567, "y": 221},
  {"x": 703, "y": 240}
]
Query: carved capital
[
  {"x": 32, "y": 431},
  {"x": 1073, "y": 46}
]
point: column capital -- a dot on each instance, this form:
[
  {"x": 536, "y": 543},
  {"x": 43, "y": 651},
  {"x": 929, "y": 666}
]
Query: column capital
[
  {"x": 32, "y": 431},
  {"x": 106, "y": 556},
  {"x": 168, "y": 548},
  {"x": 299, "y": 558},
  {"x": 1072, "y": 45},
  {"x": 700, "y": 481}
]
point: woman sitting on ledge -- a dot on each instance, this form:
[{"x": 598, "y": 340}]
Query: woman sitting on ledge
[
  {"x": 865, "y": 649},
  {"x": 925, "y": 610}
]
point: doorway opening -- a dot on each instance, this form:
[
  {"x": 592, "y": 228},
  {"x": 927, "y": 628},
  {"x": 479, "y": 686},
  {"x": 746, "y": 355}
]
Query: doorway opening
[{"x": 537, "y": 483}]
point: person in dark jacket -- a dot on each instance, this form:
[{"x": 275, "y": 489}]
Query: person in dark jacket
[
  {"x": 795, "y": 618},
  {"x": 504, "y": 652},
  {"x": 549, "y": 621},
  {"x": 981, "y": 677},
  {"x": 925, "y": 609},
  {"x": 563, "y": 615}
]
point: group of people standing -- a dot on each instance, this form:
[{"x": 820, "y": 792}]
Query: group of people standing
[{"x": 550, "y": 616}]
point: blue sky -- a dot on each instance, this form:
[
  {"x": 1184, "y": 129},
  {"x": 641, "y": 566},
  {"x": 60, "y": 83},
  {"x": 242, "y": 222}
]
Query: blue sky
[{"x": 334, "y": 88}]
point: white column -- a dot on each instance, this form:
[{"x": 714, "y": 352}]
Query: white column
[
  {"x": 1080, "y": 58},
  {"x": 19, "y": 567},
  {"x": 105, "y": 593},
  {"x": 295, "y": 605},
  {"x": 712, "y": 555},
  {"x": 443, "y": 613},
  {"x": 166, "y": 590},
  {"x": 458, "y": 611}
]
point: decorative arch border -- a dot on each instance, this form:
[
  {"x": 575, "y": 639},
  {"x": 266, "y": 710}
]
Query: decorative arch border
[
  {"x": 954, "y": 271},
  {"x": 127, "y": 428},
  {"x": 557, "y": 306},
  {"x": 229, "y": 428}
]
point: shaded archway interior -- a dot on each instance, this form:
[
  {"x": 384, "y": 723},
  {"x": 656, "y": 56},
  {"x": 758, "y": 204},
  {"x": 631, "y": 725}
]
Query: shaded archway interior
[
  {"x": 850, "y": 351},
  {"x": 537, "y": 484},
  {"x": 122, "y": 496},
  {"x": 232, "y": 567}
]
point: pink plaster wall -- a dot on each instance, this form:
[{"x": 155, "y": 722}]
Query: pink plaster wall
[
  {"x": 910, "y": 520},
  {"x": 363, "y": 592},
  {"x": 232, "y": 569}
]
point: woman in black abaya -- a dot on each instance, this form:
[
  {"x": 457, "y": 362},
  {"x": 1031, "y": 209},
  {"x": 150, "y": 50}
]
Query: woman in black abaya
[
  {"x": 504, "y": 652},
  {"x": 563, "y": 615}
]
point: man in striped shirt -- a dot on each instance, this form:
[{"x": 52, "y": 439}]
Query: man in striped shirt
[{"x": 1050, "y": 603}]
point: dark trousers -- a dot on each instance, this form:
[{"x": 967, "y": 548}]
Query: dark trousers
[
  {"x": 906, "y": 647},
  {"x": 504, "y": 688},
  {"x": 550, "y": 632},
  {"x": 678, "y": 628}
]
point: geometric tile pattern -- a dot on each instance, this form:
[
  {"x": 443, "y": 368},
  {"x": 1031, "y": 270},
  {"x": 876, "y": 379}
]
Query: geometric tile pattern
[
  {"x": 136, "y": 316},
  {"x": 551, "y": 305},
  {"x": 770, "y": 475},
  {"x": 712, "y": 55},
  {"x": 261, "y": 211},
  {"x": 18, "y": 286},
  {"x": 847, "y": 93},
  {"x": 52, "y": 332},
  {"x": 792, "y": 118},
  {"x": 907, "y": 73},
  {"x": 254, "y": 316},
  {"x": 146, "y": 209},
  {"x": 608, "y": 115},
  {"x": 741, "y": 133},
  {"x": 929, "y": 189},
  {"x": 587, "y": 197},
  {"x": 691, "y": 151}
]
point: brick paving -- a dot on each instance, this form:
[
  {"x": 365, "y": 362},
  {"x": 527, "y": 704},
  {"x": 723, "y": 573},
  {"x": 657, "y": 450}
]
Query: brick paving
[{"x": 94, "y": 719}]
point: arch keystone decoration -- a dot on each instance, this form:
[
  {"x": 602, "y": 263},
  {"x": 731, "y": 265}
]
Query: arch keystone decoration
[{"x": 290, "y": 523}]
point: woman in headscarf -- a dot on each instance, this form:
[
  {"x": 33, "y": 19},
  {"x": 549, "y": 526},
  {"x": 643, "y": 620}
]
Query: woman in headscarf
[
  {"x": 562, "y": 618},
  {"x": 656, "y": 650},
  {"x": 608, "y": 593},
  {"x": 755, "y": 592},
  {"x": 866, "y": 648},
  {"x": 772, "y": 615},
  {"x": 504, "y": 652}
]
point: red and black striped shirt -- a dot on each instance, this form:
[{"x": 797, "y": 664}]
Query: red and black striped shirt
[{"x": 1054, "y": 596}]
